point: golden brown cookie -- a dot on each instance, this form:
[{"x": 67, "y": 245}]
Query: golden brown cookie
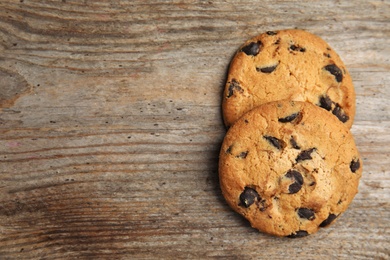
[
  {"x": 288, "y": 64},
  {"x": 289, "y": 168}
]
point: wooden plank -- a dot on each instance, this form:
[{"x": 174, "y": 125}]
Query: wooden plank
[{"x": 111, "y": 125}]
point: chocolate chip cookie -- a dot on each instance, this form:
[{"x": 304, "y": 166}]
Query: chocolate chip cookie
[
  {"x": 288, "y": 64},
  {"x": 289, "y": 167}
]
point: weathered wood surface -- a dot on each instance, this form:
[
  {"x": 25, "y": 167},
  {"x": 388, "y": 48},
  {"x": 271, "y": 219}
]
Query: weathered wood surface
[{"x": 111, "y": 125}]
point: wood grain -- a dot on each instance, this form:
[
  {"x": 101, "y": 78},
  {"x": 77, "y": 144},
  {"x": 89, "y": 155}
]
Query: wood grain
[{"x": 111, "y": 125}]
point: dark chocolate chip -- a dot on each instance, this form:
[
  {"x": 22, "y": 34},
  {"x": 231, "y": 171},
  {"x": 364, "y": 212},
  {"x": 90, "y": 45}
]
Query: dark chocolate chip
[
  {"x": 248, "y": 197},
  {"x": 340, "y": 114},
  {"x": 278, "y": 143},
  {"x": 294, "y": 144},
  {"x": 297, "y": 48},
  {"x": 252, "y": 48},
  {"x": 355, "y": 165},
  {"x": 229, "y": 150},
  {"x": 298, "y": 181},
  {"x": 305, "y": 155},
  {"x": 329, "y": 220},
  {"x": 294, "y": 188},
  {"x": 234, "y": 86},
  {"x": 299, "y": 233},
  {"x": 335, "y": 71},
  {"x": 271, "y": 33},
  {"x": 306, "y": 213},
  {"x": 326, "y": 102},
  {"x": 242, "y": 155},
  {"x": 267, "y": 69},
  {"x": 289, "y": 118}
]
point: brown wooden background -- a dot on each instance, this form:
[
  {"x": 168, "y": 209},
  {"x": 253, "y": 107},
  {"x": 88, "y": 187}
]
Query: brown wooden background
[{"x": 110, "y": 128}]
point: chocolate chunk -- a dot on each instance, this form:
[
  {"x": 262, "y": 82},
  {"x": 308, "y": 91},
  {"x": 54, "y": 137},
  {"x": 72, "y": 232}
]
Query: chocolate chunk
[
  {"x": 306, "y": 213},
  {"x": 234, "y": 86},
  {"x": 278, "y": 143},
  {"x": 340, "y": 114},
  {"x": 335, "y": 71},
  {"x": 298, "y": 181},
  {"x": 294, "y": 144},
  {"x": 289, "y": 118},
  {"x": 242, "y": 155},
  {"x": 326, "y": 102},
  {"x": 248, "y": 197},
  {"x": 267, "y": 69},
  {"x": 305, "y": 155},
  {"x": 355, "y": 165},
  {"x": 271, "y": 33},
  {"x": 229, "y": 150},
  {"x": 294, "y": 188},
  {"x": 299, "y": 233},
  {"x": 329, "y": 220},
  {"x": 297, "y": 48},
  {"x": 252, "y": 48}
]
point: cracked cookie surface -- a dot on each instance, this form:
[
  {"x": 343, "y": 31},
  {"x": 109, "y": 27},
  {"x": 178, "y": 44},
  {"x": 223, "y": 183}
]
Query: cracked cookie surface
[
  {"x": 288, "y": 64},
  {"x": 289, "y": 167}
]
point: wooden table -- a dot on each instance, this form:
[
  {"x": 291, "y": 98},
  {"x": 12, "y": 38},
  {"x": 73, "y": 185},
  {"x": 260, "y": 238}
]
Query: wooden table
[{"x": 111, "y": 127}]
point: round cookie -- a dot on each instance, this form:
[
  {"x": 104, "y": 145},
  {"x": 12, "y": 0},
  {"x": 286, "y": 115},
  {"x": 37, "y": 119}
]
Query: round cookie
[
  {"x": 289, "y": 167},
  {"x": 288, "y": 64}
]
